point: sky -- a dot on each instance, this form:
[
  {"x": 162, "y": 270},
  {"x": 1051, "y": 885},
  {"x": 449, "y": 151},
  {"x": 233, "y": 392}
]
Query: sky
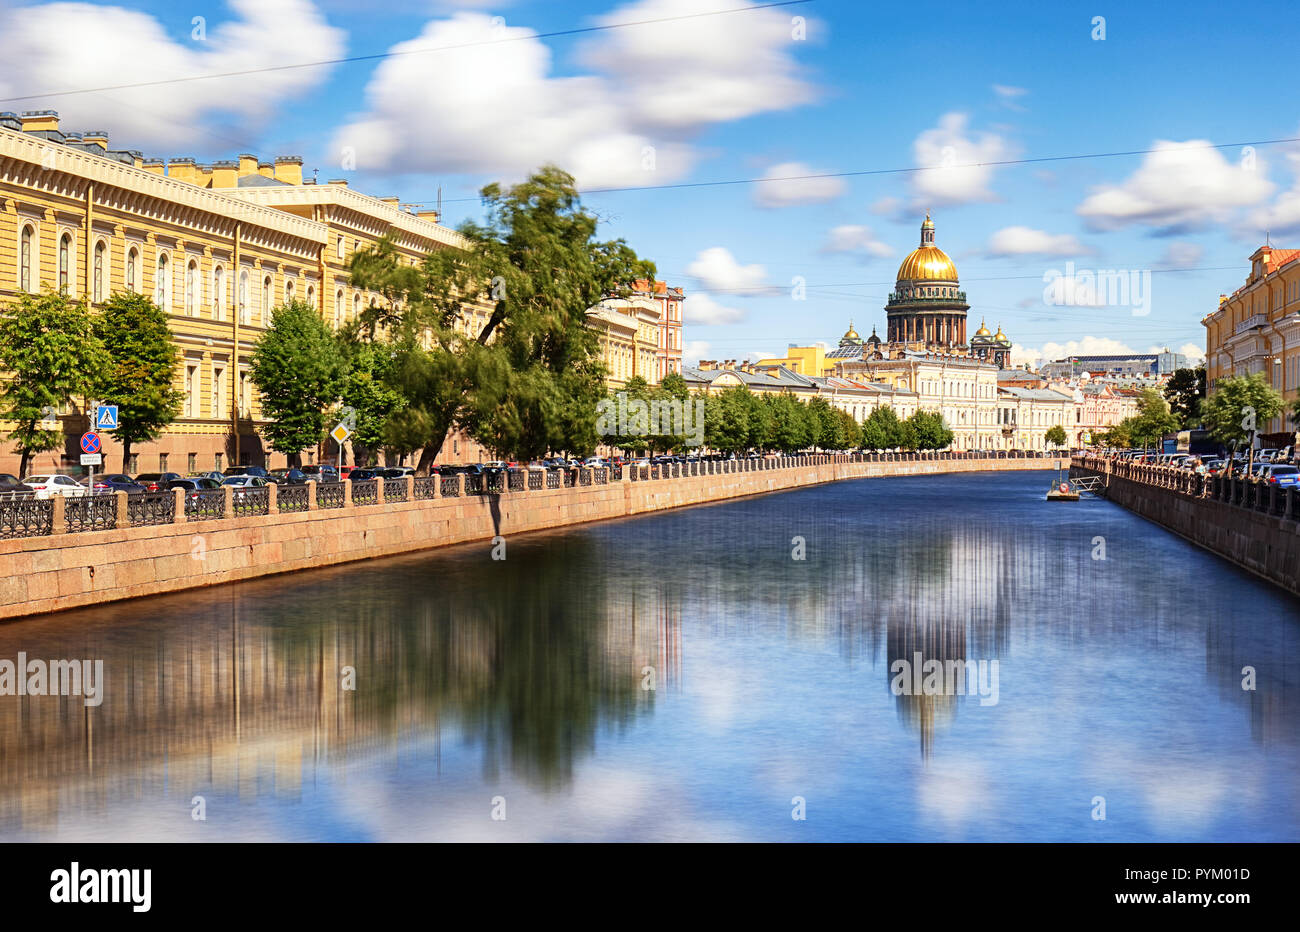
[{"x": 1153, "y": 141}]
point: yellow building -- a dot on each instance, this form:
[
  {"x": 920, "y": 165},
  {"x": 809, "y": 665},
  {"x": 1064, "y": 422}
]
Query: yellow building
[
  {"x": 629, "y": 332},
  {"x": 1257, "y": 328},
  {"x": 216, "y": 246}
]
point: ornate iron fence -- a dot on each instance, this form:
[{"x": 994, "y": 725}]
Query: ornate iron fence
[
  {"x": 536, "y": 479},
  {"x": 329, "y": 495},
  {"x": 584, "y": 477},
  {"x": 151, "y": 508},
  {"x": 205, "y": 504},
  {"x": 291, "y": 498},
  {"x": 602, "y": 475},
  {"x": 251, "y": 501},
  {"x": 493, "y": 482},
  {"x": 26, "y": 516},
  {"x": 449, "y": 487},
  {"x": 91, "y": 512},
  {"x": 516, "y": 480},
  {"x": 426, "y": 487},
  {"x": 554, "y": 478},
  {"x": 365, "y": 492},
  {"x": 395, "y": 490}
]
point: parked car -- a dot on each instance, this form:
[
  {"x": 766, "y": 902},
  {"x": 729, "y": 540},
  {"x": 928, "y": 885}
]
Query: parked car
[
  {"x": 157, "y": 481},
  {"x": 398, "y": 472},
  {"x": 287, "y": 476},
  {"x": 193, "y": 485},
  {"x": 118, "y": 482},
  {"x": 258, "y": 471},
  {"x": 11, "y": 485},
  {"x": 243, "y": 485},
  {"x": 212, "y": 474},
  {"x": 364, "y": 473},
  {"x": 324, "y": 472},
  {"x": 1281, "y": 475},
  {"x": 47, "y": 485}
]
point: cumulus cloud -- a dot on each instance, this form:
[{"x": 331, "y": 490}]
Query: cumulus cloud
[
  {"x": 855, "y": 239},
  {"x": 716, "y": 269},
  {"x": 1088, "y": 346},
  {"x": 69, "y": 46},
  {"x": 494, "y": 106},
  {"x": 700, "y": 308},
  {"x": 695, "y": 350},
  {"x": 1194, "y": 352},
  {"x": 955, "y": 160},
  {"x": 787, "y": 185},
  {"x": 1282, "y": 216},
  {"x": 1181, "y": 256},
  {"x": 1023, "y": 241},
  {"x": 1180, "y": 186}
]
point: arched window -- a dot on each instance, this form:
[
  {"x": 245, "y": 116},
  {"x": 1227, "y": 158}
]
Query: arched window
[
  {"x": 288, "y": 292},
  {"x": 132, "y": 262},
  {"x": 26, "y": 258},
  {"x": 266, "y": 300},
  {"x": 356, "y": 306},
  {"x": 218, "y": 293},
  {"x": 242, "y": 297},
  {"x": 101, "y": 250},
  {"x": 65, "y": 262},
  {"x": 162, "y": 287},
  {"x": 338, "y": 306},
  {"x": 193, "y": 295},
  {"x": 311, "y": 297}
]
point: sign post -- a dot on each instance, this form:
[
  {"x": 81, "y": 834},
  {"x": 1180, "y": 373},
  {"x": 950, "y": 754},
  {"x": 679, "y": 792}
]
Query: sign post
[
  {"x": 340, "y": 435},
  {"x": 91, "y": 456}
]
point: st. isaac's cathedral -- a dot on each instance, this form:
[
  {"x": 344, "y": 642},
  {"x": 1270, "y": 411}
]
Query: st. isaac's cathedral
[{"x": 926, "y": 314}]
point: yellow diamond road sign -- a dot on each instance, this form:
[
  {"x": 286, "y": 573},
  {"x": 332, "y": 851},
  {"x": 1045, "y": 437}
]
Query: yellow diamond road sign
[{"x": 340, "y": 434}]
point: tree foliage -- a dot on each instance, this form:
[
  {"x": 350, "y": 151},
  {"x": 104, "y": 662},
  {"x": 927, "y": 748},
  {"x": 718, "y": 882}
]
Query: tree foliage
[
  {"x": 929, "y": 432},
  {"x": 1055, "y": 435},
  {"x": 1185, "y": 392},
  {"x": 1237, "y": 400}
]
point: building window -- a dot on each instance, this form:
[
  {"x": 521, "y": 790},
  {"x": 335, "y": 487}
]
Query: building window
[
  {"x": 311, "y": 297},
  {"x": 192, "y": 298},
  {"x": 219, "y": 293},
  {"x": 100, "y": 251},
  {"x": 192, "y": 390},
  {"x": 338, "y": 248},
  {"x": 338, "y": 308},
  {"x": 266, "y": 300},
  {"x": 218, "y": 392},
  {"x": 65, "y": 262},
  {"x": 162, "y": 462},
  {"x": 356, "y": 306},
  {"x": 288, "y": 292},
  {"x": 162, "y": 288},
  {"x": 216, "y": 459},
  {"x": 243, "y": 296},
  {"x": 132, "y": 260},
  {"x": 26, "y": 258},
  {"x": 193, "y": 463},
  {"x": 133, "y": 466}
]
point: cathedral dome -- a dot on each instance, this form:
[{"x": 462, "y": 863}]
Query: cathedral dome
[
  {"x": 983, "y": 331},
  {"x": 927, "y": 263},
  {"x": 851, "y": 336}
]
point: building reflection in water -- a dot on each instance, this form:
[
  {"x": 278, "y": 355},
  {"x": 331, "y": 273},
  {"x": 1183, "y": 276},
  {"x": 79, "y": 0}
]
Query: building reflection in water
[{"x": 530, "y": 659}]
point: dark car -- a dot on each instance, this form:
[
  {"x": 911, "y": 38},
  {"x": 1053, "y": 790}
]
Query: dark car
[
  {"x": 289, "y": 476},
  {"x": 157, "y": 481},
  {"x": 258, "y": 471},
  {"x": 116, "y": 482},
  {"x": 193, "y": 485},
  {"x": 212, "y": 474},
  {"x": 321, "y": 472},
  {"x": 12, "y": 485},
  {"x": 364, "y": 473},
  {"x": 398, "y": 472}
]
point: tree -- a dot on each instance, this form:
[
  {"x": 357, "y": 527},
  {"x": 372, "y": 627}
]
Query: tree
[
  {"x": 49, "y": 349},
  {"x": 727, "y": 417},
  {"x": 882, "y": 430},
  {"x": 929, "y": 430},
  {"x": 791, "y": 428},
  {"x": 299, "y": 370},
  {"x": 1238, "y": 404},
  {"x": 142, "y": 369},
  {"x": 529, "y": 380},
  {"x": 1153, "y": 419},
  {"x": 1055, "y": 435},
  {"x": 1184, "y": 391},
  {"x": 367, "y": 390}
]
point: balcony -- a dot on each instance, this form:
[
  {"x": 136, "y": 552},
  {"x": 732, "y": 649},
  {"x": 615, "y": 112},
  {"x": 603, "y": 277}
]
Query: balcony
[{"x": 1253, "y": 322}]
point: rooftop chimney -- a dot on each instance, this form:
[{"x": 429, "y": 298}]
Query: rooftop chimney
[
  {"x": 247, "y": 165},
  {"x": 96, "y": 137},
  {"x": 288, "y": 169},
  {"x": 183, "y": 170},
  {"x": 225, "y": 174},
  {"x": 341, "y": 182},
  {"x": 38, "y": 120},
  {"x": 152, "y": 165}
]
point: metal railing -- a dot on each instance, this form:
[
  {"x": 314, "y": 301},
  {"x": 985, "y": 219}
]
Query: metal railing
[
  {"x": 450, "y": 487},
  {"x": 394, "y": 490},
  {"x": 291, "y": 498},
  {"x": 536, "y": 479},
  {"x": 97, "y": 512},
  {"x": 26, "y": 516},
  {"x": 425, "y": 487},
  {"x": 151, "y": 508},
  {"x": 516, "y": 480},
  {"x": 365, "y": 492},
  {"x": 205, "y": 504},
  {"x": 251, "y": 501},
  {"x": 1250, "y": 494},
  {"x": 329, "y": 495}
]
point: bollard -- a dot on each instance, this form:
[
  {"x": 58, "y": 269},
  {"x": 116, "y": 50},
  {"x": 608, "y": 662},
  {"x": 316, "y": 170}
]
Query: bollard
[
  {"x": 178, "y": 506},
  {"x": 58, "y": 515},
  {"x": 311, "y": 495},
  {"x": 272, "y": 499},
  {"x": 123, "y": 514},
  {"x": 228, "y": 502}
]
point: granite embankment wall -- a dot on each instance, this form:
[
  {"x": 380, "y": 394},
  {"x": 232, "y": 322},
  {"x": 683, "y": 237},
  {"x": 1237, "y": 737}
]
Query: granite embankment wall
[
  {"x": 1254, "y": 527},
  {"x": 61, "y": 571}
]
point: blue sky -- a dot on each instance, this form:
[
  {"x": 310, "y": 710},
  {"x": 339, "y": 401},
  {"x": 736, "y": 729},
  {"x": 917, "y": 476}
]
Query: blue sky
[{"x": 744, "y": 95}]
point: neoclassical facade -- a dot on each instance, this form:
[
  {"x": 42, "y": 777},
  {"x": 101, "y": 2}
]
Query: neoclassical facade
[{"x": 927, "y": 309}]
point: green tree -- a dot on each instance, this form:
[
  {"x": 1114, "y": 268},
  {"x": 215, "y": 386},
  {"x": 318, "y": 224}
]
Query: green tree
[
  {"x": 1153, "y": 419},
  {"x": 1185, "y": 392},
  {"x": 1055, "y": 435},
  {"x": 142, "y": 371},
  {"x": 367, "y": 390},
  {"x": 727, "y": 417},
  {"x": 882, "y": 430},
  {"x": 529, "y": 380},
  {"x": 929, "y": 430},
  {"x": 1236, "y": 401},
  {"x": 298, "y": 369},
  {"x": 50, "y": 351},
  {"x": 791, "y": 424}
]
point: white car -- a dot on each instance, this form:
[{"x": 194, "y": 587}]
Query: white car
[{"x": 51, "y": 484}]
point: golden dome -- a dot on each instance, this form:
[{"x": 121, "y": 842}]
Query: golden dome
[
  {"x": 983, "y": 331},
  {"x": 999, "y": 335},
  {"x": 927, "y": 263},
  {"x": 851, "y": 335}
]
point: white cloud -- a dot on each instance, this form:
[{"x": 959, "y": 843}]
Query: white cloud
[
  {"x": 717, "y": 270},
  {"x": 786, "y": 185},
  {"x": 1010, "y": 96},
  {"x": 1194, "y": 352},
  {"x": 956, "y": 163},
  {"x": 1088, "y": 346},
  {"x": 1282, "y": 216},
  {"x": 70, "y": 46},
  {"x": 1181, "y": 256},
  {"x": 699, "y": 308},
  {"x": 886, "y": 206},
  {"x": 496, "y": 108},
  {"x": 855, "y": 239},
  {"x": 1023, "y": 241},
  {"x": 1179, "y": 186},
  {"x": 695, "y": 350}
]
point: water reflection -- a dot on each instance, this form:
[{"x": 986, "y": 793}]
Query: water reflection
[{"x": 579, "y": 648}]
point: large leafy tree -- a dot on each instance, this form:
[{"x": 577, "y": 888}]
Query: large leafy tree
[
  {"x": 1185, "y": 392},
  {"x": 368, "y": 391},
  {"x": 929, "y": 431},
  {"x": 884, "y": 431},
  {"x": 1153, "y": 419},
  {"x": 528, "y": 379},
  {"x": 1225, "y": 413},
  {"x": 140, "y": 375},
  {"x": 298, "y": 369},
  {"x": 50, "y": 351},
  {"x": 727, "y": 419},
  {"x": 1055, "y": 435}
]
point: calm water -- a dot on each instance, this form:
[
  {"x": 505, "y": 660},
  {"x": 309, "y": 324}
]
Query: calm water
[{"x": 521, "y": 685}]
